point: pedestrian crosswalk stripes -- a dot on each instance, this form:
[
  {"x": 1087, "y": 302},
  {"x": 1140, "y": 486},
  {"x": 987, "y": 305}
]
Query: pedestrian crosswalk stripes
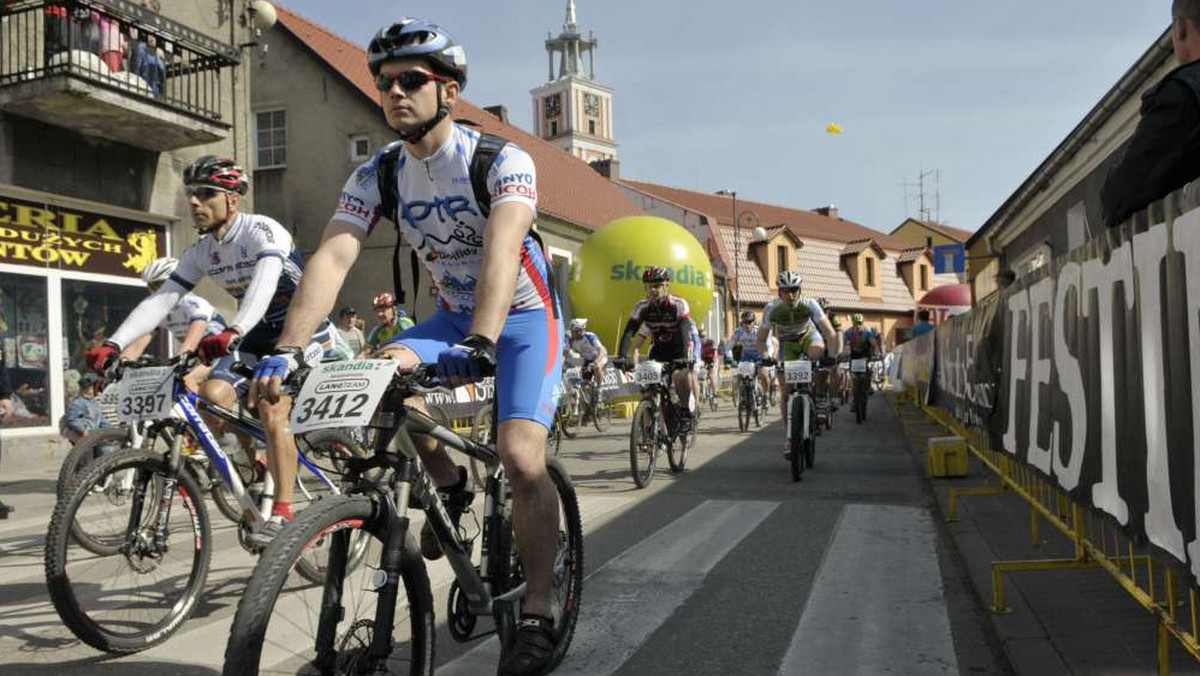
[
  {"x": 877, "y": 604},
  {"x": 635, "y": 593}
]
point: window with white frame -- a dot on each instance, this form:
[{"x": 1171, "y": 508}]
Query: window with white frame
[
  {"x": 360, "y": 148},
  {"x": 270, "y": 141}
]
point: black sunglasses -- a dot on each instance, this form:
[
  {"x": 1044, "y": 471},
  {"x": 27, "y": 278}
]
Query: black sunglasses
[{"x": 409, "y": 80}]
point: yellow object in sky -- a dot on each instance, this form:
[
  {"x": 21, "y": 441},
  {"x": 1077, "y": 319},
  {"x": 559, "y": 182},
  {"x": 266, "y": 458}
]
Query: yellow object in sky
[{"x": 834, "y": 128}]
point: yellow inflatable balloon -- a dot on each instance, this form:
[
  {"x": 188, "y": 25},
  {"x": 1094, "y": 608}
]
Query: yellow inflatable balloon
[
  {"x": 606, "y": 279},
  {"x": 834, "y": 128}
]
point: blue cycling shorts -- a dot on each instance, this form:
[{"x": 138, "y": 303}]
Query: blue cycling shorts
[{"x": 528, "y": 358}]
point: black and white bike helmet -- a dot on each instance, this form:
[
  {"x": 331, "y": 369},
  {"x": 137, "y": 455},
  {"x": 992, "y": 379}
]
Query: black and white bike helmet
[
  {"x": 159, "y": 270},
  {"x": 789, "y": 280}
]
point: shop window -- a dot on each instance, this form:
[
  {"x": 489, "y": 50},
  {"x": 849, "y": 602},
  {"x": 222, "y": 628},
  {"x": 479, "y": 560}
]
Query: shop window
[
  {"x": 91, "y": 312},
  {"x": 25, "y": 342}
]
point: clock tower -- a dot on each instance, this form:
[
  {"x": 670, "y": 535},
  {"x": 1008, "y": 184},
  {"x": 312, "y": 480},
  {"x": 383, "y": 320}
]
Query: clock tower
[{"x": 572, "y": 110}]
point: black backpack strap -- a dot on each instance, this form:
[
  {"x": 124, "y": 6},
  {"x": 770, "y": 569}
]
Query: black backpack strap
[
  {"x": 486, "y": 151},
  {"x": 389, "y": 204}
]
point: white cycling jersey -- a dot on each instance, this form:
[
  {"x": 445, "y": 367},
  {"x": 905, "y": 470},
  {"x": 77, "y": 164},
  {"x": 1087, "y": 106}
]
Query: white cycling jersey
[
  {"x": 588, "y": 346},
  {"x": 440, "y": 218},
  {"x": 189, "y": 309},
  {"x": 231, "y": 262}
]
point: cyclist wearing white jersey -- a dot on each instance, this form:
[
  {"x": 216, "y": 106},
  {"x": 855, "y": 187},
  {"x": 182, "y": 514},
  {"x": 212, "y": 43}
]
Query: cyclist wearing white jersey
[
  {"x": 253, "y": 258},
  {"x": 496, "y": 305},
  {"x": 744, "y": 346},
  {"x": 589, "y": 348},
  {"x": 191, "y": 319},
  {"x": 801, "y": 326}
]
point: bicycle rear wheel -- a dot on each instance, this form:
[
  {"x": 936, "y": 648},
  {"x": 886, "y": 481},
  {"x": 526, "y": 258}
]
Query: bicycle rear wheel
[
  {"x": 677, "y": 452},
  {"x": 276, "y": 625},
  {"x": 745, "y": 403},
  {"x": 138, "y": 596},
  {"x": 601, "y": 411},
  {"x": 643, "y": 444}
]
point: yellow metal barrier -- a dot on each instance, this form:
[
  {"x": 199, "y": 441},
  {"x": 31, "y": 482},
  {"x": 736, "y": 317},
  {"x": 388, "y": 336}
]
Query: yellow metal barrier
[{"x": 1133, "y": 568}]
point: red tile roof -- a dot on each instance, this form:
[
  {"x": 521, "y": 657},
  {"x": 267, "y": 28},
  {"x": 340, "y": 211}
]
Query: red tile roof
[
  {"x": 860, "y": 245},
  {"x": 804, "y": 224},
  {"x": 567, "y": 187},
  {"x": 913, "y": 254}
]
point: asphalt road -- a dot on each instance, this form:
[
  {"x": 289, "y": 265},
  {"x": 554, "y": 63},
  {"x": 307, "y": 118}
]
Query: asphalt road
[{"x": 726, "y": 568}]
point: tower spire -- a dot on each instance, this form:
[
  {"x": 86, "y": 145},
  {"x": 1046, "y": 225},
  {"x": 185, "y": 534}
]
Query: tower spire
[{"x": 571, "y": 25}]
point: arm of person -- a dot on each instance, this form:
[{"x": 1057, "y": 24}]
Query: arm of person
[
  {"x": 833, "y": 342},
  {"x": 323, "y": 278},
  {"x": 1156, "y": 151},
  {"x": 761, "y": 338},
  {"x": 688, "y": 327},
  {"x": 628, "y": 337},
  {"x": 194, "y": 333},
  {"x": 148, "y": 314},
  {"x": 135, "y": 349},
  {"x": 259, "y": 294},
  {"x": 506, "y": 230}
]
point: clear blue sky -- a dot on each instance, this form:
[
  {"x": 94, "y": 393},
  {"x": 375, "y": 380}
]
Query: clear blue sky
[{"x": 712, "y": 94}]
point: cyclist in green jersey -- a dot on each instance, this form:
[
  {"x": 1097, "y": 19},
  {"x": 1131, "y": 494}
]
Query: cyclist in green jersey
[{"x": 800, "y": 325}]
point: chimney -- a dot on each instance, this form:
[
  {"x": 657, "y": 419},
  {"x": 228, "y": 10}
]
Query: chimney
[
  {"x": 500, "y": 112},
  {"x": 610, "y": 169},
  {"x": 830, "y": 211}
]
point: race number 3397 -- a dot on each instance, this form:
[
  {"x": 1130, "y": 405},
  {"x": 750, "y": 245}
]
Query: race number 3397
[
  {"x": 341, "y": 394},
  {"x": 146, "y": 394}
]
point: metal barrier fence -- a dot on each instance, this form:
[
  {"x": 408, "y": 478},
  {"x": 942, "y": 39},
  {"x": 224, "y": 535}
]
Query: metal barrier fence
[
  {"x": 1154, "y": 580},
  {"x": 117, "y": 45}
]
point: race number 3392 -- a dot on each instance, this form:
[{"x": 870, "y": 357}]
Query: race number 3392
[{"x": 341, "y": 394}]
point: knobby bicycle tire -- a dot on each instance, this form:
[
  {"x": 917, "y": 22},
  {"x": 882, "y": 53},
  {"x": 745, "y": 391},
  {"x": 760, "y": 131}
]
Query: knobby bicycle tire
[
  {"x": 82, "y": 454},
  {"x": 643, "y": 444},
  {"x": 248, "y": 635},
  {"x": 85, "y": 616},
  {"x": 796, "y": 441}
]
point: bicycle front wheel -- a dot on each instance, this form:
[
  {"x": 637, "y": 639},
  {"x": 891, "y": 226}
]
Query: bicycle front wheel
[
  {"x": 276, "y": 627},
  {"x": 643, "y": 444},
  {"x": 796, "y": 437},
  {"x": 139, "y": 595}
]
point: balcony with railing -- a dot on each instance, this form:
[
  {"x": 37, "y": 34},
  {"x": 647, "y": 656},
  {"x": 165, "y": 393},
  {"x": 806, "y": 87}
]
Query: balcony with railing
[{"x": 115, "y": 70}]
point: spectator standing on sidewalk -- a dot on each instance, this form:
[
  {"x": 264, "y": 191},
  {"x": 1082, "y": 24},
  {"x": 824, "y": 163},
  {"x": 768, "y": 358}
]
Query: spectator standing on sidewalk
[
  {"x": 83, "y": 414},
  {"x": 1164, "y": 153},
  {"x": 347, "y": 326}
]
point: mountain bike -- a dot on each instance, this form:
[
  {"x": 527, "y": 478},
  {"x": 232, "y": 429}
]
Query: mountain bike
[
  {"x": 751, "y": 399},
  {"x": 656, "y": 421},
  {"x": 381, "y": 619},
  {"x": 861, "y": 373},
  {"x": 140, "y": 506},
  {"x": 801, "y": 423}
]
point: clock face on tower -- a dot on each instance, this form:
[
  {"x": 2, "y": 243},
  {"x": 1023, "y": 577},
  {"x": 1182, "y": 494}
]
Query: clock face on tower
[
  {"x": 553, "y": 106},
  {"x": 591, "y": 104}
]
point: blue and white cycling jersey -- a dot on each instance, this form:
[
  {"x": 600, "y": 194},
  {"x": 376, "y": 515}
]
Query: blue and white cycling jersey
[
  {"x": 189, "y": 309},
  {"x": 747, "y": 339},
  {"x": 588, "y": 346},
  {"x": 441, "y": 220},
  {"x": 231, "y": 261}
]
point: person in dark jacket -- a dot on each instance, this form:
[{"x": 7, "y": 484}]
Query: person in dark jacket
[
  {"x": 1164, "y": 153},
  {"x": 6, "y": 408}
]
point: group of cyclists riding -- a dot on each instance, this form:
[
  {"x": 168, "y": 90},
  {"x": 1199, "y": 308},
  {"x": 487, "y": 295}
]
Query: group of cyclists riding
[{"x": 497, "y": 312}]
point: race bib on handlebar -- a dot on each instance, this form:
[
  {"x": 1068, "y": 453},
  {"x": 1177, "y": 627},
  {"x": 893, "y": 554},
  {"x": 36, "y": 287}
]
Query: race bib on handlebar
[
  {"x": 797, "y": 372},
  {"x": 341, "y": 394},
  {"x": 858, "y": 365},
  {"x": 146, "y": 394},
  {"x": 746, "y": 369},
  {"x": 648, "y": 373},
  {"x": 573, "y": 373}
]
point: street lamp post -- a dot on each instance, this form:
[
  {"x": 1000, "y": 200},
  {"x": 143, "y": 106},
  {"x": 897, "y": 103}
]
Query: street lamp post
[{"x": 737, "y": 257}]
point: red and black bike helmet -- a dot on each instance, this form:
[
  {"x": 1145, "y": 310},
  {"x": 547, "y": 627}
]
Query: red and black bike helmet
[
  {"x": 656, "y": 274},
  {"x": 218, "y": 172}
]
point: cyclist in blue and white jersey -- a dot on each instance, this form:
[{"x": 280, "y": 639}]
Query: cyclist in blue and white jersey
[
  {"x": 253, "y": 258},
  {"x": 191, "y": 319},
  {"x": 496, "y": 308},
  {"x": 744, "y": 345},
  {"x": 588, "y": 347}
]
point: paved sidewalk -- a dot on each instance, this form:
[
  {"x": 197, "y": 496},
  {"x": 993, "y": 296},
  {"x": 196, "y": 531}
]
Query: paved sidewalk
[{"x": 1062, "y": 622}]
